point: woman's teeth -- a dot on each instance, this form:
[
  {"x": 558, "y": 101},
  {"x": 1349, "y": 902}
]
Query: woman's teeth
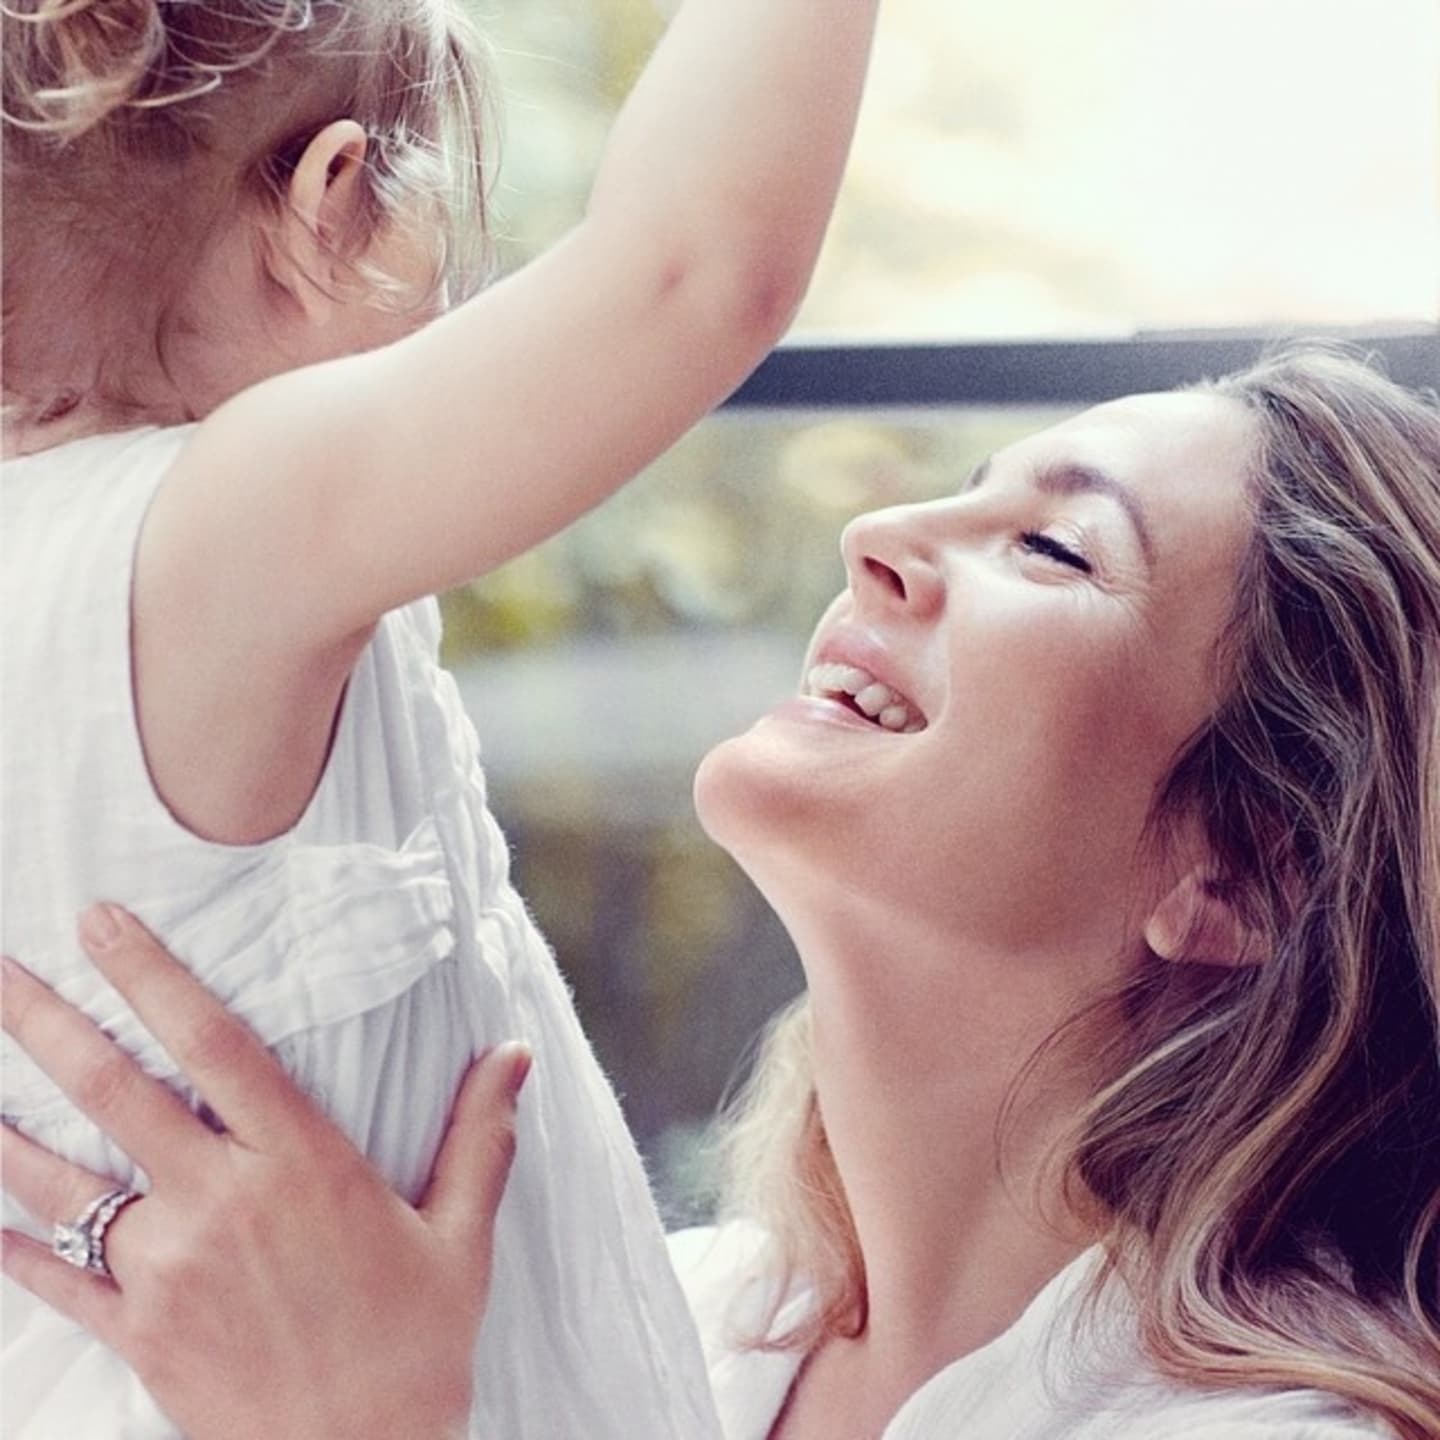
[{"x": 874, "y": 699}]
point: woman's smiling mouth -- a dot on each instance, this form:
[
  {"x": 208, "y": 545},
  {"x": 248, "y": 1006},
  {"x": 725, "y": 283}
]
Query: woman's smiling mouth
[{"x": 858, "y": 690}]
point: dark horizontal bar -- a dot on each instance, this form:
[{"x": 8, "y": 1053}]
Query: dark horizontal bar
[{"x": 1040, "y": 372}]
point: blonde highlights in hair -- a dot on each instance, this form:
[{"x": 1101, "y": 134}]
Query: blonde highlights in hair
[
  {"x": 134, "y": 128},
  {"x": 1266, "y": 1151}
]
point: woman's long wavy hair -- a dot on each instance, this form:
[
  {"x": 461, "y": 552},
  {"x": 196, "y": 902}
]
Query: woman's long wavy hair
[
  {"x": 1266, "y": 1152},
  {"x": 133, "y": 129}
]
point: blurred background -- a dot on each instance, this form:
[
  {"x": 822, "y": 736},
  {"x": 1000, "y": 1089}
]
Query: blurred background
[{"x": 1136, "y": 175}]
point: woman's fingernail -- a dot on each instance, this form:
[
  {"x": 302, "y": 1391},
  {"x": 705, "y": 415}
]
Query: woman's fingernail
[
  {"x": 12, "y": 970},
  {"x": 99, "y": 927},
  {"x": 520, "y": 1059}
]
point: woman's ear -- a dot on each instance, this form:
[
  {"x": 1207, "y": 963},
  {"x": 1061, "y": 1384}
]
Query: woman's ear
[
  {"x": 324, "y": 208},
  {"x": 1194, "y": 922}
]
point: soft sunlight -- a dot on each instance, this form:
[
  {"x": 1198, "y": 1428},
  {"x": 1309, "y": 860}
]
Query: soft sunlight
[{"x": 1036, "y": 168}]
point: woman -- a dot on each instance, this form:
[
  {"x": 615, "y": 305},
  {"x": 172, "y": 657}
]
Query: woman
[{"x": 1113, "y": 1107}]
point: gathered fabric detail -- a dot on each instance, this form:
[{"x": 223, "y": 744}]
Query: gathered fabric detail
[
  {"x": 307, "y": 936},
  {"x": 376, "y": 948}
]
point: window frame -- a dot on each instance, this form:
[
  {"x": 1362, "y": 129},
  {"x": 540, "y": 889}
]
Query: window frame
[{"x": 899, "y": 375}]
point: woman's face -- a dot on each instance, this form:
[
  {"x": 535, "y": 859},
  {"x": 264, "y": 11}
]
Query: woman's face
[{"x": 1046, "y": 642}]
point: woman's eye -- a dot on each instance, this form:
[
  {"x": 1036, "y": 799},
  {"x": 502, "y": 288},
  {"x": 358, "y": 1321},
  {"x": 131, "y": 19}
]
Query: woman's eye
[{"x": 1041, "y": 544}]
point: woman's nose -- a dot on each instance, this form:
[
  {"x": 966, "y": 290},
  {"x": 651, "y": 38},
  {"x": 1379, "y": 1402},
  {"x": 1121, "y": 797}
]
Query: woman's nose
[{"x": 890, "y": 563}]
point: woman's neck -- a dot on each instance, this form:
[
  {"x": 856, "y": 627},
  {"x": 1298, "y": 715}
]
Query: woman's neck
[{"x": 917, "y": 1104}]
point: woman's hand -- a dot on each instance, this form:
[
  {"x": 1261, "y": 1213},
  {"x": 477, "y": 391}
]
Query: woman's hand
[{"x": 270, "y": 1283}]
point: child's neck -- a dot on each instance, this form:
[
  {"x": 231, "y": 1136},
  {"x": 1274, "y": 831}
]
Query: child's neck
[{"x": 26, "y": 430}]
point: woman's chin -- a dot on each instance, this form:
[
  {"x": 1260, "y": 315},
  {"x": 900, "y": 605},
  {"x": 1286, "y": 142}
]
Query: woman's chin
[
  {"x": 802, "y": 759},
  {"x": 722, "y": 785},
  {"x": 746, "y": 793}
]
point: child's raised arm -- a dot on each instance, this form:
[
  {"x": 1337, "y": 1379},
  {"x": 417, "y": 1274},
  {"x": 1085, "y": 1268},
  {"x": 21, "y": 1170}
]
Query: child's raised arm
[
  {"x": 309, "y": 505},
  {"x": 398, "y": 473}
]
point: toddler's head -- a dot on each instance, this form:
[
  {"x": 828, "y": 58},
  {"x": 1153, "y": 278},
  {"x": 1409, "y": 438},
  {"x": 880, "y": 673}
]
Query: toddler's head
[{"x": 200, "y": 193}]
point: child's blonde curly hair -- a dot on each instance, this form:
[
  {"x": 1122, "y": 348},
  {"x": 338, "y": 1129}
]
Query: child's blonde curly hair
[{"x": 133, "y": 128}]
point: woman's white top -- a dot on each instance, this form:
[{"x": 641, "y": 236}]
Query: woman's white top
[
  {"x": 1048, "y": 1377},
  {"x": 375, "y": 948}
]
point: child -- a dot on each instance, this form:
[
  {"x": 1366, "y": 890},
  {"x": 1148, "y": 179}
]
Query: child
[{"x": 244, "y": 461}]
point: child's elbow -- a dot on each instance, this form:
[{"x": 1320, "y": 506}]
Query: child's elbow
[
  {"x": 748, "y": 300},
  {"x": 771, "y": 295}
]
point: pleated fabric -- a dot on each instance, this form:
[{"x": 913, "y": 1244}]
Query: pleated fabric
[{"x": 375, "y": 948}]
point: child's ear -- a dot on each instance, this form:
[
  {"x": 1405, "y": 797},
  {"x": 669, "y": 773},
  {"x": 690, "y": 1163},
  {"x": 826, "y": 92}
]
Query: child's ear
[
  {"x": 324, "y": 207},
  {"x": 1194, "y": 922}
]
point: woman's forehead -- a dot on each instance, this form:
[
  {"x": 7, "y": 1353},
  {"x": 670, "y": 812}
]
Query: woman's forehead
[
  {"x": 1150, "y": 434},
  {"x": 1177, "y": 461}
]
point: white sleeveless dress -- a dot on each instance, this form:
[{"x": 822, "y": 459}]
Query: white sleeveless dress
[{"x": 374, "y": 948}]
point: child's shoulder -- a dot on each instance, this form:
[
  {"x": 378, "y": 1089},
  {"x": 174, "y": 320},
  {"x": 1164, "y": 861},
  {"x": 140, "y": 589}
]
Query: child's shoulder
[
  {"x": 94, "y": 459},
  {"x": 77, "y": 508},
  {"x": 72, "y": 516}
]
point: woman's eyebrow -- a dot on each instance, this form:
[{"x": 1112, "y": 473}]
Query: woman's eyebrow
[
  {"x": 1088, "y": 480},
  {"x": 1074, "y": 479}
]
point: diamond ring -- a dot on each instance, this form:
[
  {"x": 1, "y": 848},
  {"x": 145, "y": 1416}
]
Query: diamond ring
[{"x": 81, "y": 1242}]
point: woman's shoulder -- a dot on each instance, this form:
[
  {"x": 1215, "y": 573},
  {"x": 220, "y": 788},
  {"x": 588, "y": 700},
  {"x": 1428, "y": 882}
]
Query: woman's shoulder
[
  {"x": 1044, "y": 1378},
  {"x": 1017, "y": 1396},
  {"x": 1123, "y": 1393},
  {"x": 713, "y": 1250},
  {"x": 1147, "y": 1403},
  {"x": 1261, "y": 1415},
  {"x": 729, "y": 1275},
  {"x": 737, "y": 1293}
]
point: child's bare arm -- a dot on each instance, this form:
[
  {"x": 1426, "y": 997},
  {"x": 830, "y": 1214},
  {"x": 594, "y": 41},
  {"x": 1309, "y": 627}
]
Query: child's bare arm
[
  {"x": 308, "y": 506},
  {"x": 400, "y": 472}
]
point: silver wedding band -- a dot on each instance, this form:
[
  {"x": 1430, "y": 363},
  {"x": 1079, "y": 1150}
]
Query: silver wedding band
[{"x": 81, "y": 1242}]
